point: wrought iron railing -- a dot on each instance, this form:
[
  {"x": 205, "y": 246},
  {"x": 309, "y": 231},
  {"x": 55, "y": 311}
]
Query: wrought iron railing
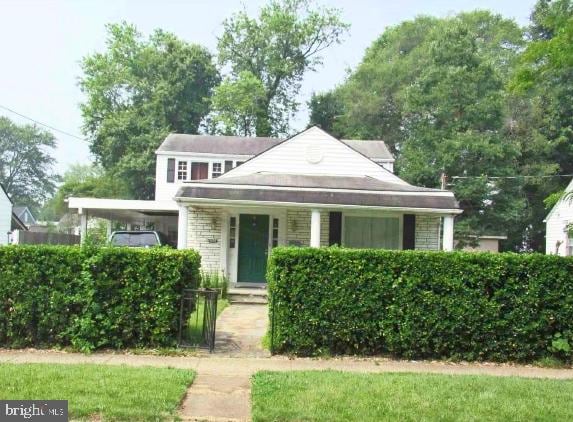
[{"x": 198, "y": 318}]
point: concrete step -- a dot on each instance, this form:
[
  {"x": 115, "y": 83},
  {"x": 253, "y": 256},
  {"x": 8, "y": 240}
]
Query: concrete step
[{"x": 245, "y": 295}]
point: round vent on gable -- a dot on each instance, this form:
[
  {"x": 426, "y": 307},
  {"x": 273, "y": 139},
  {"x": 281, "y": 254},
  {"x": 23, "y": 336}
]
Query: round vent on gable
[{"x": 314, "y": 154}]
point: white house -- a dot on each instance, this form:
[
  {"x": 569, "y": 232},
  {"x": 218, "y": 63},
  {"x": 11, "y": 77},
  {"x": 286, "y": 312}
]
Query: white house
[
  {"x": 5, "y": 216},
  {"x": 234, "y": 198},
  {"x": 24, "y": 214},
  {"x": 559, "y": 227}
]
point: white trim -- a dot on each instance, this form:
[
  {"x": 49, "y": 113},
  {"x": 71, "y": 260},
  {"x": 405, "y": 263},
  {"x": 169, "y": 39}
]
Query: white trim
[
  {"x": 446, "y": 194},
  {"x": 121, "y": 204},
  {"x": 448, "y": 233},
  {"x": 202, "y": 201},
  {"x": 227, "y": 157}
]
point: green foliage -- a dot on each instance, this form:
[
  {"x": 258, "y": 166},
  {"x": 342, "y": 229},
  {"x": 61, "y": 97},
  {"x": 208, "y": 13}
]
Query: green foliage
[
  {"x": 215, "y": 280},
  {"x": 553, "y": 199},
  {"x": 413, "y": 304},
  {"x": 25, "y": 163},
  {"x": 89, "y": 181},
  {"x": 275, "y": 50},
  {"x": 137, "y": 92},
  {"x": 92, "y": 298}
]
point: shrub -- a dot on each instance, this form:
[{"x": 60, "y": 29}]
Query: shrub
[
  {"x": 414, "y": 304},
  {"x": 92, "y": 298}
]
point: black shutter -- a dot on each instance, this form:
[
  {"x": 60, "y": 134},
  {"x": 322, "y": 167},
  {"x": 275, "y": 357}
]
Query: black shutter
[
  {"x": 409, "y": 232},
  {"x": 228, "y": 166},
  {"x": 170, "y": 170},
  {"x": 335, "y": 229}
]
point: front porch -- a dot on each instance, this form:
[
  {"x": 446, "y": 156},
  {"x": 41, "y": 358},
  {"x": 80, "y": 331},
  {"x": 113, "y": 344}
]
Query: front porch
[{"x": 236, "y": 240}]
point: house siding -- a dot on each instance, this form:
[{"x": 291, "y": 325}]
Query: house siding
[
  {"x": 300, "y": 219},
  {"x": 204, "y": 235},
  {"x": 427, "y": 232},
  {"x": 5, "y": 217},
  {"x": 314, "y": 152},
  {"x": 557, "y": 222}
]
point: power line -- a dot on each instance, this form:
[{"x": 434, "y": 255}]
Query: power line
[
  {"x": 43, "y": 124},
  {"x": 512, "y": 177}
]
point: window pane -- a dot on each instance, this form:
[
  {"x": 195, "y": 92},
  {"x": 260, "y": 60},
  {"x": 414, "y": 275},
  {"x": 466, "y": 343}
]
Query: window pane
[{"x": 372, "y": 232}]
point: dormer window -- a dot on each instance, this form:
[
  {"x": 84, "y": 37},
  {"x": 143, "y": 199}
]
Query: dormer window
[{"x": 182, "y": 170}]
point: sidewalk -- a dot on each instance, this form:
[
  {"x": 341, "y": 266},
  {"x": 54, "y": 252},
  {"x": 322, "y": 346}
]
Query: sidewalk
[
  {"x": 221, "y": 390},
  {"x": 229, "y": 366}
]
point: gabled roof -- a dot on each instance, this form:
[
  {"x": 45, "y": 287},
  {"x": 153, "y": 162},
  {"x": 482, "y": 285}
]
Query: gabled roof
[
  {"x": 568, "y": 189},
  {"x": 18, "y": 224},
  {"x": 6, "y": 193},
  {"x": 19, "y": 209},
  {"x": 241, "y": 145}
]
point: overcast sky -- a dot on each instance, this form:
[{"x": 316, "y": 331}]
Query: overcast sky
[{"x": 42, "y": 42}]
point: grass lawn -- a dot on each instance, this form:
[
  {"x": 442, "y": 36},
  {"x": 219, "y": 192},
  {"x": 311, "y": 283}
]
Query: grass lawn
[
  {"x": 114, "y": 393},
  {"x": 344, "y": 396}
]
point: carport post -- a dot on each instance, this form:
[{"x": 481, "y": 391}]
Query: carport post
[
  {"x": 182, "y": 227},
  {"x": 83, "y": 225},
  {"x": 315, "y": 228}
]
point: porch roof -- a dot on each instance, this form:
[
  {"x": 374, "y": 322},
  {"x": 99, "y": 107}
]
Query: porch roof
[
  {"x": 334, "y": 191},
  {"x": 123, "y": 209}
]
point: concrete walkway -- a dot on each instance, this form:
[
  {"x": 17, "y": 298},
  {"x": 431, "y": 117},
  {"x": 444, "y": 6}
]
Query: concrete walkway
[
  {"x": 221, "y": 390},
  {"x": 240, "y": 330}
]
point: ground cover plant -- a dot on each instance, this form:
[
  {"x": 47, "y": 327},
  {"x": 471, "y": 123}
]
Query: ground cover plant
[
  {"x": 343, "y": 396},
  {"x": 99, "y": 392}
]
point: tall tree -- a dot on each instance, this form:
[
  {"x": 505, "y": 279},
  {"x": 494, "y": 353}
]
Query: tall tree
[
  {"x": 137, "y": 92},
  {"x": 26, "y": 166},
  {"x": 276, "y": 49},
  {"x": 543, "y": 85},
  {"x": 89, "y": 181}
]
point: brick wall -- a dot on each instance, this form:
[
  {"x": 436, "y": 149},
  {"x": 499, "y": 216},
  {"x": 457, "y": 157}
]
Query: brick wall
[
  {"x": 427, "y": 232},
  {"x": 298, "y": 228},
  {"x": 204, "y": 235}
]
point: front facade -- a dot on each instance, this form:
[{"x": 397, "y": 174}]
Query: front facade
[
  {"x": 309, "y": 190},
  {"x": 5, "y": 217},
  {"x": 559, "y": 227}
]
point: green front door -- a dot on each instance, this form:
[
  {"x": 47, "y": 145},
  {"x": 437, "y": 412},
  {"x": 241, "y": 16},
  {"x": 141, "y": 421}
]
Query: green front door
[{"x": 253, "y": 247}]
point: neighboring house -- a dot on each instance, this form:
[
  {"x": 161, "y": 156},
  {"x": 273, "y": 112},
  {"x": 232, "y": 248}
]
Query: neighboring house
[
  {"x": 233, "y": 199},
  {"x": 559, "y": 227},
  {"x": 483, "y": 243},
  {"x": 5, "y": 216},
  {"x": 24, "y": 214}
]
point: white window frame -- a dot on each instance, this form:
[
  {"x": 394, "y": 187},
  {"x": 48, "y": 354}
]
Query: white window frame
[
  {"x": 185, "y": 171},
  {"x": 215, "y": 174}
]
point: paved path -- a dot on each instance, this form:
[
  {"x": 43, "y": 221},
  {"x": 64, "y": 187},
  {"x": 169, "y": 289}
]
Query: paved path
[
  {"x": 223, "y": 394},
  {"x": 240, "y": 330}
]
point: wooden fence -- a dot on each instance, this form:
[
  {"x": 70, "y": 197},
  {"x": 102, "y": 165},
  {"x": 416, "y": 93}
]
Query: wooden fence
[{"x": 40, "y": 238}]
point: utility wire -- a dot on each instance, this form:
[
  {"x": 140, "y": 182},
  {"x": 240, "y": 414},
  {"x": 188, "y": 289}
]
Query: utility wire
[
  {"x": 511, "y": 177},
  {"x": 43, "y": 124}
]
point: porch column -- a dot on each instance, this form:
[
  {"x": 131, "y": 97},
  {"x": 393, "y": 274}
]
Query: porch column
[
  {"x": 315, "y": 228},
  {"x": 83, "y": 225},
  {"x": 108, "y": 229},
  {"x": 182, "y": 223},
  {"x": 448, "y": 234}
]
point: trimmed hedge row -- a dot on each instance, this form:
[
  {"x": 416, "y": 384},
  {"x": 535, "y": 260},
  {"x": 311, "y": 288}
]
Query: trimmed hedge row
[
  {"x": 413, "y": 304},
  {"x": 92, "y": 298}
]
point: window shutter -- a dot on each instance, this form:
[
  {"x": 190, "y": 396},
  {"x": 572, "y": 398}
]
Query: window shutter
[
  {"x": 335, "y": 229},
  {"x": 170, "y": 170},
  {"x": 228, "y": 166},
  {"x": 409, "y": 232}
]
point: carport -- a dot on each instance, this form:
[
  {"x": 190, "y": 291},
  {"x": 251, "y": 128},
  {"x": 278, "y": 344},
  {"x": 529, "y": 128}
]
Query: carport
[{"x": 135, "y": 214}]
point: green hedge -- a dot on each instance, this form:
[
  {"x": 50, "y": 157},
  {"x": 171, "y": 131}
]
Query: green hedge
[
  {"x": 92, "y": 298},
  {"x": 413, "y": 304}
]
